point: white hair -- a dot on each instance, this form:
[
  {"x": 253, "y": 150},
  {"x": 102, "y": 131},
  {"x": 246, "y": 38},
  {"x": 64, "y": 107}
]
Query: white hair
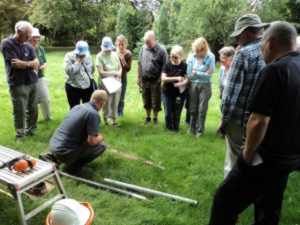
[
  {"x": 177, "y": 50},
  {"x": 22, "y": 26},
  {"x": 149, "y": 34}
]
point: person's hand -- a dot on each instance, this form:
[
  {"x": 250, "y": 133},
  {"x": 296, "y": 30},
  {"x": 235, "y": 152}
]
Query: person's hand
[
  {"x": 193, "y": 72},
  {"x": 180, "y": 79},
  {"x": 79, "y": 59},
  {"x": 247, "y": 157},
  {"x": 35, "y": 64},
  {"x": 18, "y": 63}
]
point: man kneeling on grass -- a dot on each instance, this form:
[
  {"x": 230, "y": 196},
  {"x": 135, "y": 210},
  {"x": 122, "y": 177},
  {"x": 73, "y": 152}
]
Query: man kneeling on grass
[{"x": 77, "y": 140}]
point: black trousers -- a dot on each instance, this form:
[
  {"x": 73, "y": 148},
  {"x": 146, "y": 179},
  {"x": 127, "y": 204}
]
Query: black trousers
[
  {"x": 262, "y": 185},
  {"x": 77, "y": 95},
  {"x": 173, "y": 107},
  {"x": 75, "y": 159}
]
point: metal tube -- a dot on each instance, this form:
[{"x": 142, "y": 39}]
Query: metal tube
[
  {"x": 150, "y": 191},
  {"x": 104, "y": 186}
]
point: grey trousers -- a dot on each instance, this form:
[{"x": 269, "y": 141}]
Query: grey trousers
[
  {"x": 199, "y": 97},
  {"x": 43, "y": 98},
  {"x": 24, "y": 101},
  {"x": 234, "y": 137},
  {"x": 110, "y": 109}
]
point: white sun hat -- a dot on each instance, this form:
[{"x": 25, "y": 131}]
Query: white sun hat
[{"x": 35, "y": 32}]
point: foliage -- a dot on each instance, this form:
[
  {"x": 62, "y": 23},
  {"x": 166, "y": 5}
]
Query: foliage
[
  {"x": 271, "y": 10},
  {"x": 11, "y": 11},
  {"x": 133, "y": 24},
  {"x": 70, "y": 20},
  {"x": 212, "y": 19},
  {"x": 163, "y": 23},
  {"x": 194, "y": 167}
]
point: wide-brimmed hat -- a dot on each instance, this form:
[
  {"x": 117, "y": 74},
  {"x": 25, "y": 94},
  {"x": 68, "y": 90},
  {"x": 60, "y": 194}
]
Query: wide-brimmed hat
[
  {"x": 107, "y": 44},
  {"x": 35, "y": 32},
  {"x": 245, "y": 21},
  {"x": 82, "y": 48}
]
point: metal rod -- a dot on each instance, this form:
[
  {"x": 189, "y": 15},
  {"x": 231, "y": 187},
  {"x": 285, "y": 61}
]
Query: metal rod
[
  {"x": 150, "y": 191},
  {"x": 104, "y": 186}
]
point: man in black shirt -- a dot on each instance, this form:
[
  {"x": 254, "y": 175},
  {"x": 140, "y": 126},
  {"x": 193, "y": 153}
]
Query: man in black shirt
[
  {"x": 77, "y": 140},
  {"x": 272, "y": 147},
  {"x": 21, "y": 69}
]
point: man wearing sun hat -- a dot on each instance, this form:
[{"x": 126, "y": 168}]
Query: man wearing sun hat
[
  {"x": 79, "y": 71},
  {"x": 241, "y": 81}
]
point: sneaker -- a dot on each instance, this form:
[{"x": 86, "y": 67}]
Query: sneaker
[
  {"x": 20, "y": 136},
  {"x": 30, "y": 132},
  {"x": 147, "y": 120},
  {"x": 199, "y": 134},
  {"x": 49, "y": 157}
]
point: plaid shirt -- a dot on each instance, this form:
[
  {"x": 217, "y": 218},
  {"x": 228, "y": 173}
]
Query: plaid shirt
[{"x": 241, "y": 81}]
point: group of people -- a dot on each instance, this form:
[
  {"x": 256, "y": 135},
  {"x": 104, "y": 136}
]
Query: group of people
[
  {"x": 259, "y": 91},
  {"x": 25, "y": 63}
]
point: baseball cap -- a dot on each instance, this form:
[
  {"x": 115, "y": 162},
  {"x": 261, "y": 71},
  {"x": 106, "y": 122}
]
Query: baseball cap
[
  {"x": 69, "y": 212},
  {"x": 82, "y": 48},
  {"x": 107, "y": 44}
]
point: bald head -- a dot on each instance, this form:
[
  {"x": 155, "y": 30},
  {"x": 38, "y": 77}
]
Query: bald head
[
  {"x": 99, "y": 98},
  {"x": 150, "y": 39},
  {"x": 279, "y": 39}
]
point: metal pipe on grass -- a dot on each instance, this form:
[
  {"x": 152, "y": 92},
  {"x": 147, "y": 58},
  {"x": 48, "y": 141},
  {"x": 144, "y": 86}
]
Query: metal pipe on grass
[
  {"x": 104, "y": 186},
  {"x": 150, "y": 191}
]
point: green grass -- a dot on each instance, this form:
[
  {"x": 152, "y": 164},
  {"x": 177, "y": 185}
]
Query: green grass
[{"x": 194, "y": 167}]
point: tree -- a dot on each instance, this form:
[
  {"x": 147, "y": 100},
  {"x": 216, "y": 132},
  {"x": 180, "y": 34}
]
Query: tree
[
  {"x": 133, "y": 23},
  {"x": 11, "y": 11},
  {"x": 162, "y": 25},
  {"x": 66, "y": 21}
]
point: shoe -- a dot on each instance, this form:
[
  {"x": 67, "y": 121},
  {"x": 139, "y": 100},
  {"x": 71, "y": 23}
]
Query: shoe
[
  {"x": 199, "y": 134},
  {"x": 49, "y": 157},
  {"x": 73, "y": 171},
  {"x": 155, "y": 121},
  {"x": 147, "y": 120},
  {"x": 20, "y": 136},
  {"x": 115, "y": 124},
  {"x": 30, "y": 132}
]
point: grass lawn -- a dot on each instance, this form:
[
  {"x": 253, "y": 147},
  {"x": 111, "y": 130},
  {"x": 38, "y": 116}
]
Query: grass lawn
[{"x": 194, "y": 167}]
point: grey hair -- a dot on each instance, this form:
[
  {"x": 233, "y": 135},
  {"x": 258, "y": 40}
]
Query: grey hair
[
  {"x": 283, "y": 32},
  {"x": 149, "y": 34},
  {"x": 22, "y": 26},
  {"x": 227, "y": 51}
]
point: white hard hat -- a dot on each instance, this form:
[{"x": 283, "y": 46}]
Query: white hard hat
[{"x": 69, "y": 212}]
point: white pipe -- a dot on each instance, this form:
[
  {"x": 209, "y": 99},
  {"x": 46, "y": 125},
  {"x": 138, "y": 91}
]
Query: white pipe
[
  {"x": 150, "y": 191},
  {"x": 103, "y": 186}
]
